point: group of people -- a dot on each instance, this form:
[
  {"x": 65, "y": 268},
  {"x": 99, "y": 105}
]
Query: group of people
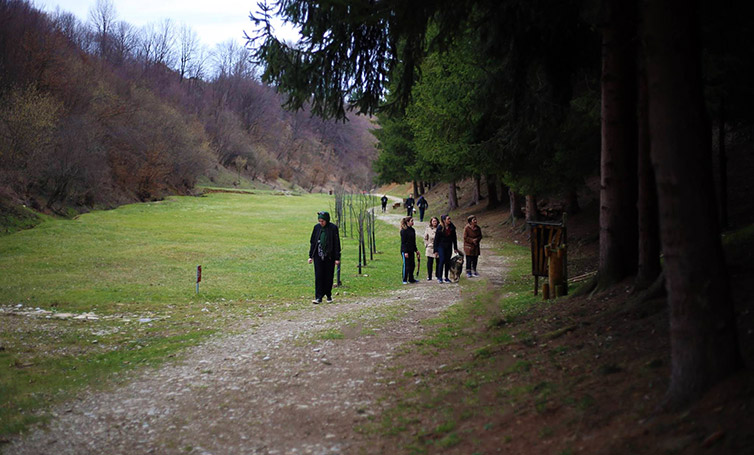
[{"x": 440, "y": 241}]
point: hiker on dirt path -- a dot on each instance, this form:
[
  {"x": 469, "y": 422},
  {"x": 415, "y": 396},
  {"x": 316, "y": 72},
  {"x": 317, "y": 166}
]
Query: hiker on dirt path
[
  {"x": 324, "y": 251},
  {"x": 422, "y": 204},
  {"x": 409, "y": 205},
  {"x": 446, "y": 242},
  {"x": 429, "y": 245},
  {"x": 383, "y": 199},
  {"x": 472, "y": 235},
  {"x": 408, "y": 249}
]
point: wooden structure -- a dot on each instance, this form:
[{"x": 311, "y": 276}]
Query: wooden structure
[{"x": 549, "y": 237}]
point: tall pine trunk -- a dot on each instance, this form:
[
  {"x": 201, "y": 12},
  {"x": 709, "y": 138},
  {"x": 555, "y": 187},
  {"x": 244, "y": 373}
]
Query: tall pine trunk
[
  {"x": 618, "y": 192},
  {"x": 532, "y": 213},
  {"x": 723, "y": 164},
  {"x": 492, "y": 200},
  {"x": 452, "y": 196},
  {"x": 703, "y": 336},
  {"x": 515, "y": 201},
  {"x": 476, "y": 194},
  {"x": 416, "y": 190},
  {"x": 649, "y": 230}
]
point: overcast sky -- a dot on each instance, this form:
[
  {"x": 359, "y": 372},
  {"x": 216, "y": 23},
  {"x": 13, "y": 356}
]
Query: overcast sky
[{"x": 215, "y": 21}]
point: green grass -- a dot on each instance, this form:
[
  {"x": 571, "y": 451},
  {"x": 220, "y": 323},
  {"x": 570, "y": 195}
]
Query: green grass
[
  {"x": 135, "y": 268},
  {"x": 458, "y": 329},
  {"x": 250, "y": 247}
]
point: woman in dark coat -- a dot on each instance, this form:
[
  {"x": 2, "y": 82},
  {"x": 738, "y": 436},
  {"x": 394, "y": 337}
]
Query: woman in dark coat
[
  {"x": 324, "y": 251},
  {"x": 408, "y": 249},
  {"x": 446, "y": 242}
]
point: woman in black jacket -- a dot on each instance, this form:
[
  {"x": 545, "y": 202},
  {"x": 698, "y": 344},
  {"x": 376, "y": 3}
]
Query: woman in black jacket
[
  {"x": 408, "y": 249},
  {"x": 445, "y": 243},
  {"x": 324, "y": 251}
]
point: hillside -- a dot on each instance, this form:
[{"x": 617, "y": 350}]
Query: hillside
[{"x": 95, "y": 117}]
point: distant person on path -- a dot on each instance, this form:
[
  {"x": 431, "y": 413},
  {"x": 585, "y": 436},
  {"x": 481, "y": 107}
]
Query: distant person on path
[
  {"x": 324, "y": 251},
  {"x": 408, "y": 249},
  {"x": 409, "y": 205},
  {"x": 472, "y": 235},
  {"x": 384, "y": 203},
  {"x": 446, "y": 242},
  {"x": 429, "y": 245},
  {"x": 422, "y": 204}
]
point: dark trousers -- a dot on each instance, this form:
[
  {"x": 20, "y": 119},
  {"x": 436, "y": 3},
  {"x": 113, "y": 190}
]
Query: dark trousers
[
  {"x": 408, "y": 267},
  {"x": 383, "y": 207},
  {"x": 430, "y": 260},
  {"x": 443, "y": 261},
  {"x": 323, "y": 276},
  {"x": 421, "y": 213},
  {"x": 409, "y": 211},
  {"x": 471, "y": 262}
]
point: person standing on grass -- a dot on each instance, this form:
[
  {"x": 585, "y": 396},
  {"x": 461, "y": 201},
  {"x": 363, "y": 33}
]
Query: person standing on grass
[
  {"x": 472, "y": 235},
  {"x": 409, "y": 205},
  {"x": 384, "y": 203},
  {"x": 422, "y": 204},
  {"x": 408, "y": 249},
  {"x": 429, "y": 245},
  {"x": 324, "y": 252},
  {"x": 446, "y": 242}
]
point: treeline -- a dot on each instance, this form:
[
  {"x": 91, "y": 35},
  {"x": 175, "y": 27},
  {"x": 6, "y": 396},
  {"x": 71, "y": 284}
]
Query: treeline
[
  {"x": 102, "y": 113},
  {"x": 537, "y": 95}
]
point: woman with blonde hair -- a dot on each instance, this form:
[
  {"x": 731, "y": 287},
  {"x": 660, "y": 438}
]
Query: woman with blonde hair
[
  {"x": 408, "y": 249},
  {"x": 429, "y": 245}
]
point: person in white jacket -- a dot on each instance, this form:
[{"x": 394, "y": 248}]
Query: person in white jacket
[{"x": 429, "y": 242}]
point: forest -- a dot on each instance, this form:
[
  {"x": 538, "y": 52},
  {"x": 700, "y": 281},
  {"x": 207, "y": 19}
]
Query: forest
[
  {"x": 533, "y": 97},
  {"x": 99, "y": 113}
]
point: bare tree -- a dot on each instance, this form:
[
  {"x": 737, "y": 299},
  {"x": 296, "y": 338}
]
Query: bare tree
[
  {"x": 188, "y": 48},
  {"x": 102, "y": 17}
]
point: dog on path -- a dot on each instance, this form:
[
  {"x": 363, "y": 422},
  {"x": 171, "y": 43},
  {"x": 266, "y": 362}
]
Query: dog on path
[{"x": 456, "y": 267}]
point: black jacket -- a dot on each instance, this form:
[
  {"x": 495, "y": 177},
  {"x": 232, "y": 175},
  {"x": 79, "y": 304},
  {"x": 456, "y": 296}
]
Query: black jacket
[
  {"x": 446, "y": 240},
  {"x": 408, "y": 240},
  {"x": 422, "y": 203},
  {"x": 333, "y": 241}
]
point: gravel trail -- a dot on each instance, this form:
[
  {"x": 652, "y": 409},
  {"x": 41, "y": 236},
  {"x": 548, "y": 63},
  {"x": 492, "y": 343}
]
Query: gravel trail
[{"x": 275, "y": 387}]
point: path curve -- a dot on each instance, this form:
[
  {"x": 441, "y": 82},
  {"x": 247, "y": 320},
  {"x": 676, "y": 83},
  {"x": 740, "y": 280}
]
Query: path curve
[{"x": 272, "y": 388}]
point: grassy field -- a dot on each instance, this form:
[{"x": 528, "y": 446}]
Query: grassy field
[{"x": 134, "y": 269}]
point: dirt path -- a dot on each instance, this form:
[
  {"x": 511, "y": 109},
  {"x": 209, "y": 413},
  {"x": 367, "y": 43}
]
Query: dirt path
[{"x": 273, "y": 388}]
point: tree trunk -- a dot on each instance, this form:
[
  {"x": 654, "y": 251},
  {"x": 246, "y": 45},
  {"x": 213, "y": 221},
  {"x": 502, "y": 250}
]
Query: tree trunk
[
  {"x": 532, "y": 213},
  {"x": 515, "y": 201},
  {"x": 476, "y": 193},
  {"x": 416, "y": 190},
  {"x": 492, "y": 200},
  {"x": 703, "y": 334},
  {"x": 421, "y": 187},
  {"x": 723, "y": 163},
  {"x": 649, "y": 229},
  {"x": 618, "y": 226},
  {"x": 452, "y": 196},
  {"x": 572, "y": 202}
]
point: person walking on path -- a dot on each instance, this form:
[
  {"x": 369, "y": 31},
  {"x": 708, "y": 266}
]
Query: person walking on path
[
  {"x": 324, "y": 252},
  {"x": 409, "y": 205},
  {"x": 422, "y": 204},
  {"x": 384, "y": 203},
  {"x": 408, "y": 249},
  {"x": 429, "y": 245},
  {"x": 445, "y": 243},
  {"x": 472, "y": 235}
]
